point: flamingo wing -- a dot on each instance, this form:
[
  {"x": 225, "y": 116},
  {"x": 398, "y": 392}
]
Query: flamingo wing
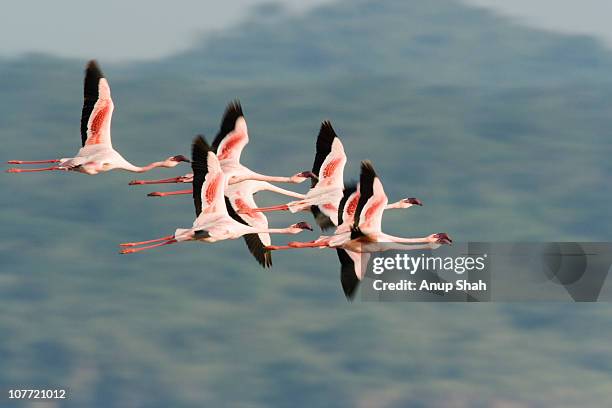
[
  {"x": 97, "y": 108},
  {"x": 351, "y": 271},
  {"x": 254, "y": 242},
  {"x": 372, "y": 201},
  {"x": 233, "y": 135},
  {"x": 213, "y": 189},
  {"x": 323, "y": 148},
  {"x": 330, "y": 158},
  {"x": 199, "y": 166},
  {"x": 348, "y": 204},
  {"x": 208, "y": 179},
  {"x": 323, "y": 221},
  {"x": 328, "y": 165}
]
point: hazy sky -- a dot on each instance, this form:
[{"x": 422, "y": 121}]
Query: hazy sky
[{"x": 123, "y": 30}]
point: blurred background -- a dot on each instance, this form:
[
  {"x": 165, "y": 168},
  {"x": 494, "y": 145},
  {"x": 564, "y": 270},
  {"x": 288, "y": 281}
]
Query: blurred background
[{"x": 496, "y": 115}]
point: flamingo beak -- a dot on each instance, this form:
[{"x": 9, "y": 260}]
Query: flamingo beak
[
  {"x": 413, "y": 201},
  {"x": 180, "y": 158},
  {"x": 303, "y": 225},
  {"x": 308, "y": 174},
  {"x": 443, "y": 238}
]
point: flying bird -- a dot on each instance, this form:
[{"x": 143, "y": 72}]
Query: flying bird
[
  {"x": 228, "y": 144},
  {"x": 96, "y": 154},
  {"x": 326, "y": 188},
  {"x": 214, "y": 221},
  {"x": 364, "y": 236}
]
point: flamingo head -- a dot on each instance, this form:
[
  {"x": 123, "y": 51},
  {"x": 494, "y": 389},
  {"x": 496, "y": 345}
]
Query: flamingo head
[
  {"x": 441, "y": 238},
  {"x": 299, "y": 227},
  {"x": 300, "y": 177},
  {"x": 175, "y": 160},
  {"x": 409, "y": 202}
]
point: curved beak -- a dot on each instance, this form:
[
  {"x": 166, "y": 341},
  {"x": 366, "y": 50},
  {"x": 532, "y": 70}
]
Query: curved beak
[
  {"x": 304, "y": 225},
  {"x": 180, "y": 158},
  {"x": 413, "y": 201},
  {"x": 308, "y": 174},
  {"x": 443, "y": 238}
]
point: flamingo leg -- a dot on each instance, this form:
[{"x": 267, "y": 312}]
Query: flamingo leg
[
  {"x": 160, "y": 181},
  {"x": 133, "y": 250},
  {"x": 169, "y": 193},
  {"x": 282, "y": 207},
  {"x": 311, "y": 244},
  {"x": 12, "y": 170},
  {"x": 295, "y": 245},
  {"x": 32, "y": 161},
  {"x": 277, "y": 247},
  {"x": 130, "y": 244}
]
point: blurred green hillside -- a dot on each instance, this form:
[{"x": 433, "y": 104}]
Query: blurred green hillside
[{"x": 501, "y": 130}]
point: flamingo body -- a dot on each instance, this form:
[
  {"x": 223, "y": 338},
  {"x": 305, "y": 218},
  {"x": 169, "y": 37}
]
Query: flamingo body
[{"x": 96, "y": 154}]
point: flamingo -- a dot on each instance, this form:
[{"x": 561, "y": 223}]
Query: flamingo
[
  {"x": 351, "y": 262},
  {"x": 214, "y": 221},
  {"x": 96, "y": 154},
  {"x": 365, "y": 235},
  {"x": 228, "y": 144},
  {"x": 326, "y": 188}
]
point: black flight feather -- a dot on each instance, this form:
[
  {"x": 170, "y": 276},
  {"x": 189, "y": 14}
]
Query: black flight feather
[
  {"x": 199, "y": 165},
  {"x": 324, "y": 146},
  {"x": 356, "y": 233},
  {"x": 228, "y": 123},
  {"x": 322, "y": 220},
  {"x": 366, "y": 187},
  {"x": 348, "y": 276},
  {"x": 93, "y": 74},
  {"x": 349, "y": 189},
  {"x": 253, "y": 242}
]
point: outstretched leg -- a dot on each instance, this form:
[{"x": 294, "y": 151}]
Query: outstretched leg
[
  {"x": 130, "y": 244},
  {"x": 181, "y": 179},
  {"x": 295, "y": 245},
  {"x": 32, "y": 161},
  {"x": 277, "y": 247},
  {"x": 283, "y": 207},
  {"x": 311, "y": 244},
  {"x": 13, "y": 170},
  {"x": 132, "y": 250},
  {"x": 169, "y": 193}
]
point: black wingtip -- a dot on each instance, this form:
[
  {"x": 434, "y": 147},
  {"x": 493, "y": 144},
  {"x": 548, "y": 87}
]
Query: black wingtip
[
  {"x": 234, "y": 108},
  {"x": 356, "y": 232},
  {"x": 199, "y": 165},
  {"x": 348, "y": 278},
  {"x": 367, "y": 169},
  {"x": 366, "y": 187},
  {"x": 326, "y": 134},
  {"x": 93, "y": 69},
  {"x": 232, "y": 112},
  {"x": 325, "y": 139},
  {"x": 199, "y": 151},
  {"x": 326, "y": 127},
  {"x": 349, "y": 189},
  {"x": 322, "y": 220}
]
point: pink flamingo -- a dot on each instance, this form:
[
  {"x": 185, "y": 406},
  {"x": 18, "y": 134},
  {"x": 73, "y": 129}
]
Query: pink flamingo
[
  {"x": 96, "y": 154},
  {"x": 228, "y": 144},
  {"x": 365, "y": 235},
  {"x": 327, "y": 187},
  {"x": 213, "y": 222}
]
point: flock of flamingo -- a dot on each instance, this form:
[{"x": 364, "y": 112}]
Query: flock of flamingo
[{"x": 223, "y": 190}]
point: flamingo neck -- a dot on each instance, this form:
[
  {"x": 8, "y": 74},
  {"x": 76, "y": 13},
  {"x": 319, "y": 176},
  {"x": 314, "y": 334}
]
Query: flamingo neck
[
  {"x": 137, "y": 169},
  {"x": 391, "y": 238},
  {"x": 270, "y": 187},
  {"x": 396, "y": 205}
]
